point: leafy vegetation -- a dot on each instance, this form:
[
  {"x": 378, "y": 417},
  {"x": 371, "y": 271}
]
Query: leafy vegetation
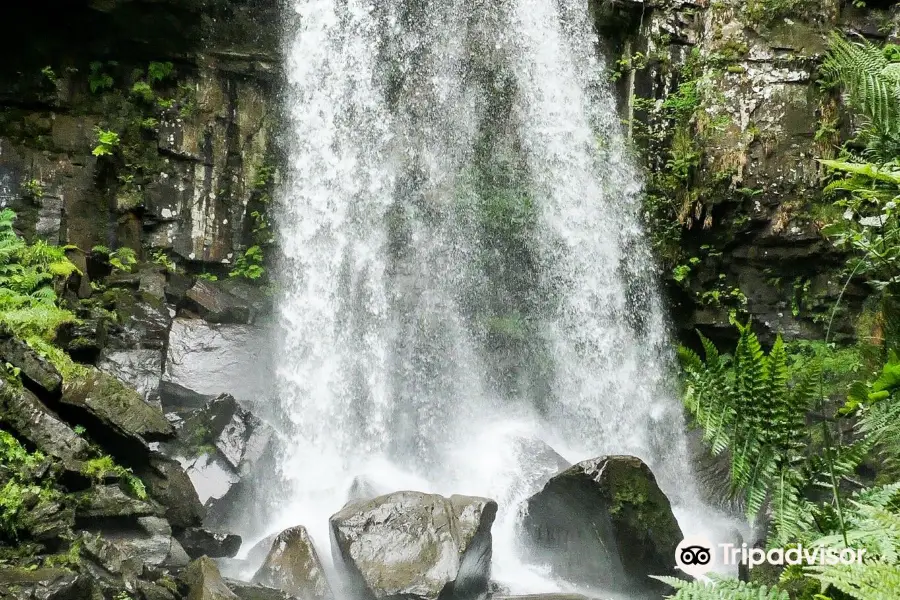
[
  {"x": 797, "y": 422},
  {"x": 28, "y": 274},
  {"x": 104, "y": 466}
]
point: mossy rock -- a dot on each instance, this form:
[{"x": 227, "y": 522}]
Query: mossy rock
[
  {"x": 604, "y": 521},
  {"x": 117, "y": 411}
]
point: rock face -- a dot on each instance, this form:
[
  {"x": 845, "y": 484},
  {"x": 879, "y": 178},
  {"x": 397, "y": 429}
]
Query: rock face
[
  {"x": 604, "y": 521},
  {"x": 413, "y": 545},
  {"x": 212, "y": 359},
  {"x": 293, "y": 566}
]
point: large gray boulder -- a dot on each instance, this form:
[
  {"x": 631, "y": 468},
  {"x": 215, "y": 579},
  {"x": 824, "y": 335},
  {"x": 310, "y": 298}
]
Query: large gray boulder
[
  {"x": 413, "y": 545},
  {"x": 293, "y": 566},
  {"x": 211, "y": 359},
  {"x": 605, "y": 523}
]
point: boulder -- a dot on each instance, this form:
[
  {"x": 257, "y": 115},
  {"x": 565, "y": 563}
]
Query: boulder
[
  {"x": 140, "y": 369},
  {"x": 109, "y": 501},
  {"x": 216, "y": 301},
  {"x": 198, "y": 542},
  {"x": 232, "y": 432},
  {"x": 211, "y": 476},
  {"x": 260, "y": 550},
  {"x": 249, "y": 591},
  {"x": 414, "y": 545},
  {"x": 34, "y": 369},
  {"x": 143, "y": 320},
  {"x": 154, "y": 548},
  {"x": 23, "y": 583},
  {"x": 205, "y": 583},
  {"x": 293, "y": 566},
  {"x": 211, "y": 359},
  {"x": 116, "y": 409},
  {"x": 604, "y": 522},
  {"x": 168, "y": 484},
  {"x": 37, "y": 424}
]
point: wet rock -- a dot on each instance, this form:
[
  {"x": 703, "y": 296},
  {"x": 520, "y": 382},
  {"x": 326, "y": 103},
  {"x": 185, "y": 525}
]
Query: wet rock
[
  {"x": 143, "y": 320},
  {"x": 35, "y": 370},
  {"x": 115, "y": 408},
  {"x": 212, "y": 359},
  {"x": 260, "y": 550},
  {"x": 223, "y": 425},
  {"x": 416, "y": 545},
  {"x": 168, "y": 484},
  {"x": 217, "y": 302},
  {"x": 44, "y": 518},
  {"x": 37, "y": 424},
  {"x": 105, "y": 501},
  {"x": 211, "y": 476},
  {"x": 604, "y": 522},
  {"x": 198, "y": 542},
  {"x": 109, "y": 557},
  {"x": 219, "y": 444},
  {"x": 249, "y": 591},
  {"x": 156, "y": 591},
  {"x": 177, "y": 287},
  {"x": 205, "y": 583},
  {"x": 20, "y": 583},
  {"x": 175, "y": 397},
  {"x": 156, "y": 548},
  {"x": 139, "y": 369},
  {"x": 293, "y": 566},
  {"x": 85, "y": 340}
]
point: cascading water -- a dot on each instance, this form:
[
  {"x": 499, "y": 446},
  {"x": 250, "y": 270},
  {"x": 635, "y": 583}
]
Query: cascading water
[{"x": 464, "y": 271}]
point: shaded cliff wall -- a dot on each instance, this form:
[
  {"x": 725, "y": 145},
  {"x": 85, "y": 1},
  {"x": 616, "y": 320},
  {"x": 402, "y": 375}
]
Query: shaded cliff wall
[
  {"x": 724, "y": 107},
  {"x": 195, "y": 144}
]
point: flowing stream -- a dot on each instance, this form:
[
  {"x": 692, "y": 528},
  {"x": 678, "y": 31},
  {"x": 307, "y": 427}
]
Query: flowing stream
[{"x": 464, "y": 275}]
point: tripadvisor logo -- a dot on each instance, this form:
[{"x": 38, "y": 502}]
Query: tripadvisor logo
[{"x": 697, "y": 556}]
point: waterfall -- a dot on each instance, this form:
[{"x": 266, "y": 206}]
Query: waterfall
[{"x": 463, "y": 269}]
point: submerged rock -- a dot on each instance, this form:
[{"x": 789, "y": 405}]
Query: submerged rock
[
  {"x": 604, "y": 521},
  {"x": 293, "y": 566},
  {"x": 413, "y": 545}
]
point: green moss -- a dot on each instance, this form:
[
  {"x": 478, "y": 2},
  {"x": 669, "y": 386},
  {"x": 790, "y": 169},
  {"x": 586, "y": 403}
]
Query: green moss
[{"x": 104, "y": 466}]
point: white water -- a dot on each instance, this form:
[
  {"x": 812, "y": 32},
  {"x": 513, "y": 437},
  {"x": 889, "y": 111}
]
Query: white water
[{"x": 385, "y": 369}]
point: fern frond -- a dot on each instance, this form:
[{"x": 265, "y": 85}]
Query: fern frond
[
  {"x": 722, "y": 589},
  {"x": 866, "y": 581}
]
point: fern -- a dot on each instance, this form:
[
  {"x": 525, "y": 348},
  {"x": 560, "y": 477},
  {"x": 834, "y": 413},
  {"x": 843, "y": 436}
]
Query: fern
[
  {"x": 28, "y": 301},
  {"x": 745, "y": 405},
  {"x": 872, "y": 84},
  {"x": 722, "y": 589}
]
